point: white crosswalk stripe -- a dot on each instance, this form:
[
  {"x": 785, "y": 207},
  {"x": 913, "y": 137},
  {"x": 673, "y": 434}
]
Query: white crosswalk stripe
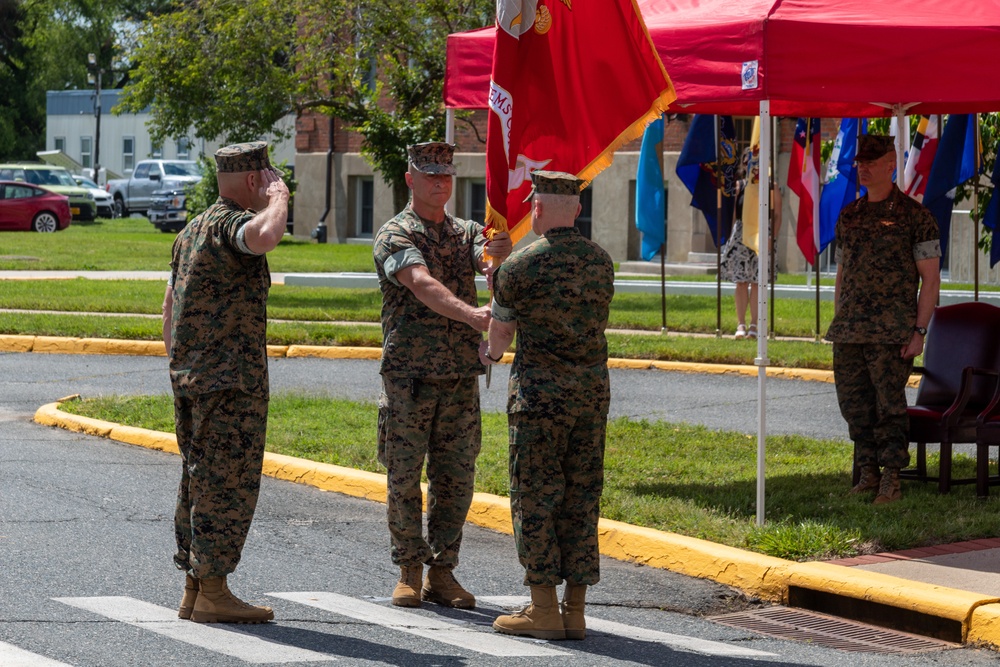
[
  {"x": 679, "y": 642},
  {"x": 231, "y": 640},
  {"x": 466, "y": 636},
  {"x": 12, "y": 656}
]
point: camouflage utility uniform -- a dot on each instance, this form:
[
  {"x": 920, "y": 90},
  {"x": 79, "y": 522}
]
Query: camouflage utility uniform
[
  {"x": 429, "y": 406},
  {"x": 218, "y": 369},
  {"x": 878, "y": 246},
  {"x": 558, "y": 290}
]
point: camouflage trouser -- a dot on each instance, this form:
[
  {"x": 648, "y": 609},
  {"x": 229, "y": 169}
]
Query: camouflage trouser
[
  {"x": 556, "y": 480},
  {"x": 436, "y": 420},
  {"x": 871, "y": 389},
  {"x": 221, "y": 438}
]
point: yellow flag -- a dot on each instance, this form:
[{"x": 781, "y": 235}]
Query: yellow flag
[{"x": 751, "y": 191}]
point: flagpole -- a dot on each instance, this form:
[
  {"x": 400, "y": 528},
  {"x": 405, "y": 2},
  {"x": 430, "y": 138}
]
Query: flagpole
[
  {"x": 975, "y": 215},
  {"x": 663, "y": 247},
  {"x": 718, "y": 227}
]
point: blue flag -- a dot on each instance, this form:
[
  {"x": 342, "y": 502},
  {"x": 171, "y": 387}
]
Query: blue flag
[
  {"x": 841, "y": 185},
  {"x": 649, "y": 213},
  {"x": 992, "y": 215},
  {"x": 954, "y": 164},
  {"x": 696, "y": 167}
]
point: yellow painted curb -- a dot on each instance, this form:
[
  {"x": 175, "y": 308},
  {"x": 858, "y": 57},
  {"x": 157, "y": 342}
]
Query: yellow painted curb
[
  {"x": 324, "y": 352},
  {"x": 939, "y": 601},
  {"x": 10, "y": 343},
  {"x": 763, "y": 576}
]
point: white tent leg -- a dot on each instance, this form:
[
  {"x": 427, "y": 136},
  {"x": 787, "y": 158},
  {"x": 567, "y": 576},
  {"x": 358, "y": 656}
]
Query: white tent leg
[{"x": 764, "y": 261}]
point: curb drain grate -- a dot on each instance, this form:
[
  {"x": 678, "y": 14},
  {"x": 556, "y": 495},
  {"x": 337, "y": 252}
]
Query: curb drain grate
[{"x": 829, "y": 631}]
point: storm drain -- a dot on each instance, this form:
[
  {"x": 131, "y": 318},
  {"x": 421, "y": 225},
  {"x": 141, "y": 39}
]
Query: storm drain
[{"x": 829, "y": 631}]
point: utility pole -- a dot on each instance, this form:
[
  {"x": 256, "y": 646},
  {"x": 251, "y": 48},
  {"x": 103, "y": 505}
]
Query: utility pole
[{"x": 95, "y": 78}]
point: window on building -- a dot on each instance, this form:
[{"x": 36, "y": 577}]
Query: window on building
[
  {"x": 128, "y": 153},
  {"x": 476, "y": 200},
  {"x": 60, "y": 144},
  {"x": 183, "y": 148},
  {"x": 86, "y": 152},
  {"x": 364, "y": 206},
  {"x": 583, "y": 221},
  {"x": 156, "y": 152}
]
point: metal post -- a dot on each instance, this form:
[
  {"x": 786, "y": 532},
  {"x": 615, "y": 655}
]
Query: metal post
[{"x": 762, "y": 361}]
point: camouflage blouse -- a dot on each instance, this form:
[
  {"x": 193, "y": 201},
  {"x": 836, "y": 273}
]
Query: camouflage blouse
[
  {"x": 219, "y": 319},
  {"x": 417, "y": 342},
  {"x": 558, "y": 290},
  {"x": 878, "y": 246}
]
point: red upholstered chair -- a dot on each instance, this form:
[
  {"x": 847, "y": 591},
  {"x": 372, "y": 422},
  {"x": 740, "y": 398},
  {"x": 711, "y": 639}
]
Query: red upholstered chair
[
  {"x": 987, "y": 435},
  {"x": 959, "y": 379}
]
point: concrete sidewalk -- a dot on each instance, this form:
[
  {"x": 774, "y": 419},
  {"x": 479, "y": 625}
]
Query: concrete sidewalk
[{"x": 624, "y": 283}]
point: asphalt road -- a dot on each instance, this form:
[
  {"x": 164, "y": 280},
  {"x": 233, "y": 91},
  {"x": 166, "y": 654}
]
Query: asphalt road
[{"x": 86, "y": 540}]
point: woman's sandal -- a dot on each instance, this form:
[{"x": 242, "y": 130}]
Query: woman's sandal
[
  {"x": 752, "y": 333},
  {"x": 741, "y": 332}
]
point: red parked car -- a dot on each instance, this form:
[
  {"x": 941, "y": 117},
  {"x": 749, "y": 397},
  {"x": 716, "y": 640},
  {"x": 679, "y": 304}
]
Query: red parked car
[{"x": 26, "y": 207}]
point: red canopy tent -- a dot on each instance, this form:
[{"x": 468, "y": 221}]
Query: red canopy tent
[
  {"x": 822, "y": 58},
  {"x": 829, "y": 58}
]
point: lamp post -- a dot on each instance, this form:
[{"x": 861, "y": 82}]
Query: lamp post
[{"x": 95, "y": 78}]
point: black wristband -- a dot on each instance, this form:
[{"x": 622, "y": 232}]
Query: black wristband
[{"x": 495, "y": 361}]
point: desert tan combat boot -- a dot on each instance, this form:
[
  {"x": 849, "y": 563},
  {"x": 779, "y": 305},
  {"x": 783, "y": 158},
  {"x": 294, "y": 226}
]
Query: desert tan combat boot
[
  {"x": 540, "y": 619},
  {"x": 407, "y": 591},
  {"x": 574, "y": 598},
  {"x": 190, "y": 595},
  {"x": 888, "y": 488},
  {"x": 216, "y": 604},
  {"x": 442, "y": 588},
  {"x": 869, "y": 480}
]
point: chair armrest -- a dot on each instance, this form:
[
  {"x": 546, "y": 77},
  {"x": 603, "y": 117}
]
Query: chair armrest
[
  {"x": 992, "y": 409},
  {"x": 954, "y": 412}
]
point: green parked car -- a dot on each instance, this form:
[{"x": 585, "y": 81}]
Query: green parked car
[{"x": 55, "y": 179}]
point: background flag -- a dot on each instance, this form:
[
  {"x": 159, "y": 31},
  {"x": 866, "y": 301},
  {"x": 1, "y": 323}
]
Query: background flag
[
  {"x": 992, "y": 216},
  {"x": 751, "y": 191},
  {"x": 649, "y": 203},
  {"x": 696, "y": 169},
  {"x": 841, "y": 184},
  {"x": 803, "y": 180},
  {"x": 922, "y": 150},
  {"x": 544, "y": 114},
  {"x": 954, "y": 164}
]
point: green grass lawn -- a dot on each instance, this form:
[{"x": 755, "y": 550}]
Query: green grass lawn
[{"x": 676, "y": 477}]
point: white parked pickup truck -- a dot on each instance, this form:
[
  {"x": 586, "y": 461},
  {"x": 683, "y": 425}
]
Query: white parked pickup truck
[{"x": 135, "y": 192}]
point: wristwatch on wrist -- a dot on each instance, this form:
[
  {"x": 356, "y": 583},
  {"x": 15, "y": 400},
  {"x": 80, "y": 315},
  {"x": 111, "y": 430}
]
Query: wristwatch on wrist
[
  {"x": 921, "y": 330},
  {"x": 495, "y": 361}
]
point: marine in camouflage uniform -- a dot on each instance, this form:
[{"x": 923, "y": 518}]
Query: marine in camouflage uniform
[
  {"x": 429, "y": 405},
  {"x": 216, "y": 305},
  {"x": 557, "y": 294},
  {"x": 879, "y": 246}
]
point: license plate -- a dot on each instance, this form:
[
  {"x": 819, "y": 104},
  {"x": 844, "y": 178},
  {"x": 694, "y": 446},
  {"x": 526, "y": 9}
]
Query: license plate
[{"x": 75, "y": 210}]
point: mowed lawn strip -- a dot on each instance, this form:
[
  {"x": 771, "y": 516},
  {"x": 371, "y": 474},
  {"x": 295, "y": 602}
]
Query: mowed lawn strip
[{"x": 675, "y": 477}]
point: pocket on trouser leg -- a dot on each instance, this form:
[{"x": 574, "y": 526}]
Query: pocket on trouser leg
[{"x": 383, "y": 427}]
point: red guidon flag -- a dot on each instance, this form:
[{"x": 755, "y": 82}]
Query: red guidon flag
[{"x": 573, "y": 80}]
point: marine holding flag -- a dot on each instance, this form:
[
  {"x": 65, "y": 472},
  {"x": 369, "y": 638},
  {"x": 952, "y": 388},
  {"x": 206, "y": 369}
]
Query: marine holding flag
[
  {"x": 428, "y": 410},
  {"x": 572, "y": 82}
]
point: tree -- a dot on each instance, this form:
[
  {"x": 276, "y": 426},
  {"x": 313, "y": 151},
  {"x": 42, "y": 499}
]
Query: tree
[
  {"x": 233, "y": 68},
  {"x": 44, "y": 46}
]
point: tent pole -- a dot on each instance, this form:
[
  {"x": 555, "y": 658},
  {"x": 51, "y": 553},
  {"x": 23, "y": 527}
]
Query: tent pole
[
  {"x": 762, "y": 316},
  {"x": 449, "y": 136},
  {"x": 902, "y": 144}
]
